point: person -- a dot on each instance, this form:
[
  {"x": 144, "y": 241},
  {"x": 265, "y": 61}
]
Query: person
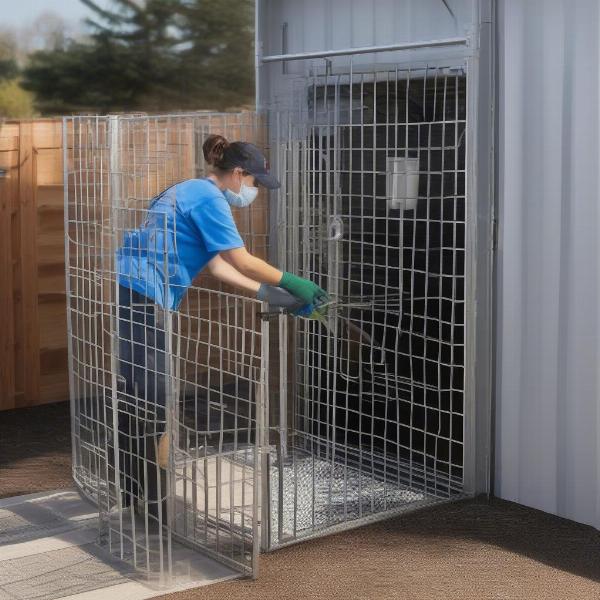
[{"x": 189, "y": 227}]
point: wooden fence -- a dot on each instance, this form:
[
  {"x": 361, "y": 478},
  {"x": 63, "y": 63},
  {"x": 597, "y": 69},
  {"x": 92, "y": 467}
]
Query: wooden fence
[{"x": 33, "y": 337}]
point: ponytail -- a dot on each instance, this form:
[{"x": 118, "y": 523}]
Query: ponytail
[{"x": 214, "y": 149}]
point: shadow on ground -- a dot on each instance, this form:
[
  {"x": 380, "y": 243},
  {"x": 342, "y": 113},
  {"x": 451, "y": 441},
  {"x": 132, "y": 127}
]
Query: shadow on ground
[{"x": 35, "y": 449}]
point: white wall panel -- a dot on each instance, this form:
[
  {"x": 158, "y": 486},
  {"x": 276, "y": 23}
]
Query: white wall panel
[
  {"x": 548, "y": 427},
  {"x": 314, "y": 25},
  {"x": 354, "y": 23}
]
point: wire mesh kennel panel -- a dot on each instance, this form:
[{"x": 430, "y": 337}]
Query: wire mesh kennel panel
[
  {"x": 188, "y": 385},
  {"x": 372, "y": 417},
  {"x": 366, "y": 409}
]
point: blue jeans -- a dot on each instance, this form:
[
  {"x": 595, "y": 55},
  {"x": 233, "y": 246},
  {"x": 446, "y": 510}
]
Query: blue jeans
[{"x": 142, "y": 397}]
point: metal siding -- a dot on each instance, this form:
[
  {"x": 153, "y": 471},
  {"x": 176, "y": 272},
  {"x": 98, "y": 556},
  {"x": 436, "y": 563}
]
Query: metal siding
[
  {"x": 315, "y": 25},
  {"x": 386, "y": 27},
  {"x": 362, "y": 22},
  {"x": 340, "y": 26},
  {"x": 548, "y": 432}
]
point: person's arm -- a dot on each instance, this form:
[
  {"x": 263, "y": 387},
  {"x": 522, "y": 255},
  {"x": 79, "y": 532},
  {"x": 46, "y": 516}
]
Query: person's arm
[
  {"x": 259, "y": 270},
  {"x": 214, "y": 220},
  {"x": 226, "y": 273},
  {"x": 251, "y": 266},
  {"x": 276, "y": 297}
]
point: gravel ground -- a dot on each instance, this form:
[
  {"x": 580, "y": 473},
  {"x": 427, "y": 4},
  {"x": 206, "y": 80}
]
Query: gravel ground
[{"x": 467, "y": 550}]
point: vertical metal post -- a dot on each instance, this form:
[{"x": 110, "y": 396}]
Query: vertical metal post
[
  {"x": 115, "y": 203},
  {"x": 262, "y": 455},
  {"x": 71, "y": 366},
  {"x": 283, "y": 385},
  {"x": 471, "y": 262},
  {"x": 478, "y": 433}
]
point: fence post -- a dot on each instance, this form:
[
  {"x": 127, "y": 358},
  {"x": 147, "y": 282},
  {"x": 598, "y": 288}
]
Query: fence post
[
  {"x": 9, "y": 154},
  {"x": 29, "y": 316}
]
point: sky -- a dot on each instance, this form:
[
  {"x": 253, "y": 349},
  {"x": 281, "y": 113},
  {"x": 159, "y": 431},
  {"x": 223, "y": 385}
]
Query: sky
[{"x": 19, "y": 13}]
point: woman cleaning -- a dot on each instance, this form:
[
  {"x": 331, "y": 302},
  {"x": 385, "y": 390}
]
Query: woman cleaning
[{"x": 189, "y": 228}]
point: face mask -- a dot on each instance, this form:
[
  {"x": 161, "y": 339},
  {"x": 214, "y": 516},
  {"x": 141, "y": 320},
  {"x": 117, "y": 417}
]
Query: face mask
[{"x": 245, "y": 197}]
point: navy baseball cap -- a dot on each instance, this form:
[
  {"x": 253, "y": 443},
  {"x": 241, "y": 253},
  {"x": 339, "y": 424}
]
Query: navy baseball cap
[{"x": 252, "y": 160}]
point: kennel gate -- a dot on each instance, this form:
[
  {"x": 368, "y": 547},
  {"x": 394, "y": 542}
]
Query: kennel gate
[
  {"x": 211, "y": 350},
  {"x": 283, "y": 429},
  {"x": 373, "y": 198}
]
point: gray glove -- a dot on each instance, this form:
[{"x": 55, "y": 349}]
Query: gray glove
[{"x": 278, "y": 298}]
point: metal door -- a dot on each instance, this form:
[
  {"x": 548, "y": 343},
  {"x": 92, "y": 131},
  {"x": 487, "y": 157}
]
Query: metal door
[{"x": 374, "y": 170}]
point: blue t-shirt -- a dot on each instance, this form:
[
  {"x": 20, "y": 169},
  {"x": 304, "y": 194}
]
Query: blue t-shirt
[{"x": 186, "y": 226}]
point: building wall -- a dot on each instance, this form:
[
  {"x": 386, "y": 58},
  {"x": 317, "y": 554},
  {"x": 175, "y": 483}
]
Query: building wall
[
  {"x": 314, "y": 25},
  {"x": 548, "y": 414},
  {"x": 333, "y": 24}
]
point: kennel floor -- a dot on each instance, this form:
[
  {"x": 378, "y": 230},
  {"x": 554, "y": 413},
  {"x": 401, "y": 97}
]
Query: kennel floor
[{"x": 308, "y": 493}]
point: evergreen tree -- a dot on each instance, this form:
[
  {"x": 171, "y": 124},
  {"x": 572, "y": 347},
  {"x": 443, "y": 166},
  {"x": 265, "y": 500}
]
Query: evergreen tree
[
  {"x": 154, "y": 56},
  {"x": 217, "y": 59},
  {"x": 83, "y": 78},
  {"x": 8, "y": 68}
]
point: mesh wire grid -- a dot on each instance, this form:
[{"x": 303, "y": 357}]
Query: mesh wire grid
[{"x": 359, "y": 413}]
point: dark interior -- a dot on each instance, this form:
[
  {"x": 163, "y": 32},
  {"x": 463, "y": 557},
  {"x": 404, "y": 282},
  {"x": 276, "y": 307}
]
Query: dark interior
[{"x": 408, "y": 401}]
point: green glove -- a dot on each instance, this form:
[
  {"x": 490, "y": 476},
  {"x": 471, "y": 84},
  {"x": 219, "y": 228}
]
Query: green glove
[{"x": 306, "y": 290}]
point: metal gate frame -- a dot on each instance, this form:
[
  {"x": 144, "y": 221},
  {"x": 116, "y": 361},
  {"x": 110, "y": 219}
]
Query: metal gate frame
[
  {"x": 478, "y": 56},
  {"x": 96, "y": 215}
]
